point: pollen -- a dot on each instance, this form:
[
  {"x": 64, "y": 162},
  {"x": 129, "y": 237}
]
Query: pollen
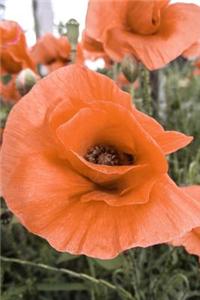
[{"x": 108, "y": 155}]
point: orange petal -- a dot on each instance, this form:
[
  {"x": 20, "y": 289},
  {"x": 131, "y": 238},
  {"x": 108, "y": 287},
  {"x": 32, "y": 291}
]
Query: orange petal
[
  {"x": 92, "y": 46},
  {"x": 45, "y": 49},
  {"x": 102, "y": 231},
  {"x": 191, "y": 240},
  {"x": 44, "y": 186},
  {"x": 193, "y": 51},
  {"x": 149, "y": 14},
  {"x": 149, "y": 124},
  {"x": 99, "y": 128},
  {"x": 133, "y": 195},
  {"x": 90, "y": 86},
  {"x": 171, "y": 141},
  {"x": 101, "y": 15}
]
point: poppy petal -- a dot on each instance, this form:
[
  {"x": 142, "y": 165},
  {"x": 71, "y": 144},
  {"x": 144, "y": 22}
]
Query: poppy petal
[
  {"x": 149, "y": 124},
  {"x": 191, "y": 240},
  {"x": 193, "y": 51},
  {"x": 108, "y": 17},
  {"x": 133, "y": 195},
  {"x": 171, "y": 141},
  {"x": 102, "y": 231},
  {"x": 43, "y": 184}
]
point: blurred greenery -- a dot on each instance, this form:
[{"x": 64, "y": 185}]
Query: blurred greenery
[{"x": 161, "y": 272}]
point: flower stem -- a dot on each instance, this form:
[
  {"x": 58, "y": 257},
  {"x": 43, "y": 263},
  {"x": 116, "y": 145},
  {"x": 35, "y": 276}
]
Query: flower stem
[
  {"x": 115, "y": 71},
  {"x": 146, "y": 90},
  {"x": 73, "y": 274},
  {"x": 73, "y": 55},
  {"x": 132, "y": 91}
]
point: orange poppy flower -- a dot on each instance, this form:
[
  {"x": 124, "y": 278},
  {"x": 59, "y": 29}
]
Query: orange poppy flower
[
  {"x": 88, "y": 172},
  {"x": 154, "y": 31},
  {"x": 14, "y": 55},
  {"x": 191, "y": 241},
  {"x": 53, "y": 52},
  {"x": 50, "y": 49}
]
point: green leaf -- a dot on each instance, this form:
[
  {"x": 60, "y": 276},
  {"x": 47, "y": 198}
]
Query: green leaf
[
  {"x": 61, "y": 287},
  {"x": 6, "y": 78}
]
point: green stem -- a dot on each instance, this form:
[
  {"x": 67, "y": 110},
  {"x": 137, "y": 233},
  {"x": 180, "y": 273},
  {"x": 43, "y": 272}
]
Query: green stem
[
  {"x": 73, "y": 55},
  {"x": 132, "y": 90},
  {"x": 146, "y": 90},
  {"x": 73, "y": 274},
  {"x": 115, "y": 71},
  {"x": 93, "y": 273}
]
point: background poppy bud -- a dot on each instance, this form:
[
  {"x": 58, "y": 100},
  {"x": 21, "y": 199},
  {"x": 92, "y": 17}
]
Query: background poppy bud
[
  {"x": 72, "y": 32},
  {"x": 130, "y": 68},
  {"x": 25, "y": 80}
]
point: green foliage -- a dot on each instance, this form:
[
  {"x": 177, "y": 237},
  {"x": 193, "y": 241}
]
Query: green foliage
[{"x": 156, "y": 273}]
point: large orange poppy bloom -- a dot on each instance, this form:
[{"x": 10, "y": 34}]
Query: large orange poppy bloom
[
  {"x": 153, "y": 31},
  {"x": 88, "y": 172},
  {"x": 191, "y": 241},
  {"x": 14, "y": 55},
  {"x": 53, "y": 52}
]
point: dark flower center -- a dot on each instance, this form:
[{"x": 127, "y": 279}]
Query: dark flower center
[{"x": 108, "y": 155}]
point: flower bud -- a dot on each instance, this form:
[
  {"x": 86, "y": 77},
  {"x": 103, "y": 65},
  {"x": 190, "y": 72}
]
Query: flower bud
[
  {"x": 72, "y": 32},
  {"x": 25, "y": 80},
  {"x": 130, "y": 68}
]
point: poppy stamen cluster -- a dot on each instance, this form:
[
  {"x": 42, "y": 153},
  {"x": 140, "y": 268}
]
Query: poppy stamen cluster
[{"x": 108, "y": 155}]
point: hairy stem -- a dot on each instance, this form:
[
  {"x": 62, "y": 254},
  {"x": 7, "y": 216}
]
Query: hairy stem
[{"x": 146, "y": 90}]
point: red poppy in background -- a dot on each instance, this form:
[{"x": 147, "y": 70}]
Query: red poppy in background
[
  {"x": 154, "y": 31},
  {"x": 191, "y": 241},
  {"x": 8, "y": 91},
  {"x": 14, "y": 55},
  {"x": 53, "y": 52},
  {"x": 88, "y": 172}
]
